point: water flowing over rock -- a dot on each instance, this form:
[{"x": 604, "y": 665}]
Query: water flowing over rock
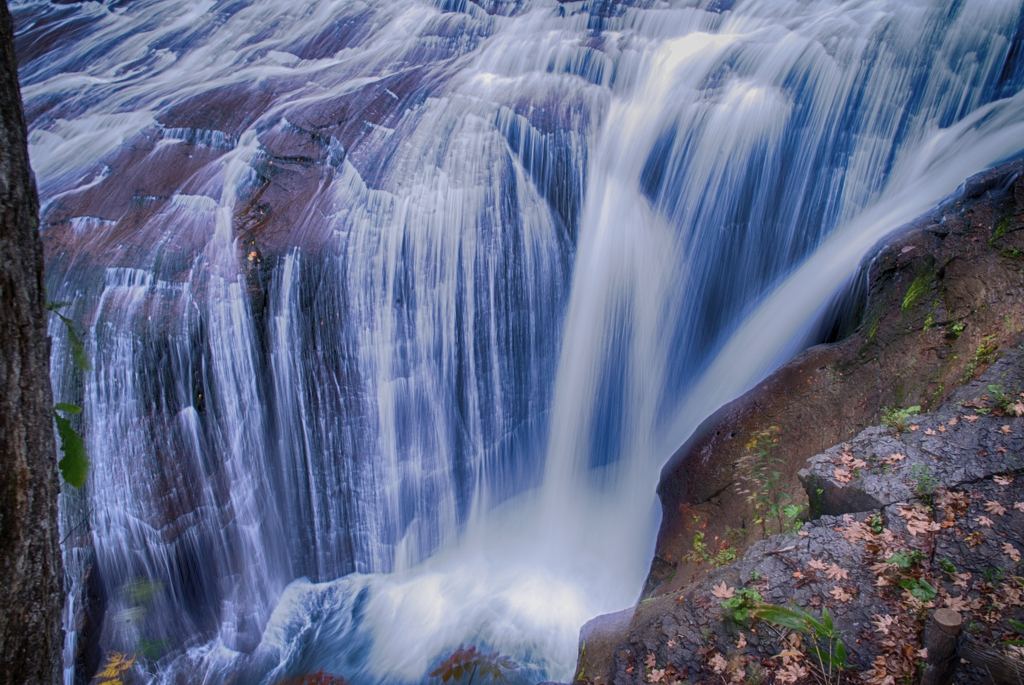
[{"x": 396, "y": 309}]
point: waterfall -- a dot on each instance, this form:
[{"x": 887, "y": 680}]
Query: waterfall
[{"x": 395, "y": 308}]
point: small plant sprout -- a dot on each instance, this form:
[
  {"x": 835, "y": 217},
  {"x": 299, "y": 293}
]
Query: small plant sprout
[
  {"x": 742, "y": 603},
  {"x": 925, "y": 482},
  {"x": 825, "y": 642},
  {"x": 774, "y": 509},
  {"x": 899, "y": 419},
  {"x": 906, "y": 560}
]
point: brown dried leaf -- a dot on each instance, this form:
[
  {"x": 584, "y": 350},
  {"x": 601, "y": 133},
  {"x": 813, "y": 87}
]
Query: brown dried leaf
[
  {"x": 893, "y": 458},
  {"x": 842, "y": 475},
  {"x": 835, "y": 572},
  {"x": 718, "y": 663},
  {"x": 721, "y": 591},
  {"x": 984, "y": 521},
  {"x": 840, "y": 594},
  {"x": 993, "y": 507},
  {"x": 972, "y": 418},
  {"x": 883, "y": 623},
  {"x": 958, "y": 604},
  {"x": 1011, "y": 551},
  {"x": 1006, "y": 430},
  {"x": 791, "y": 673}
]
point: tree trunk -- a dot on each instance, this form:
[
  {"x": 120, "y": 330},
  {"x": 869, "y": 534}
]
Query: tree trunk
[{"x": 31, "y": 569}]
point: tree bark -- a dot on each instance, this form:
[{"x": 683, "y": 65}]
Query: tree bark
[{"x": 31, "y": 568}]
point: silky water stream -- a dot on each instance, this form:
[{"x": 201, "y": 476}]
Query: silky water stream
[{"x": 394, "y": 309}]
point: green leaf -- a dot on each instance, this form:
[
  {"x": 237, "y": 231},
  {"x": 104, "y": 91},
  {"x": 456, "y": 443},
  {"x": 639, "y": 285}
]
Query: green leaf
[
  {"x": 69, "y": 408},
  {"x": 77, "y": 348},
  {"x": 826, "y": 619},
  {"x": 1016, "y": 624},
  {"x": 920, "y": 589},
  {"x": 781, "y": 616},
  {"x": 75, "y": 464},
  {"x": 840, "y": 654}
]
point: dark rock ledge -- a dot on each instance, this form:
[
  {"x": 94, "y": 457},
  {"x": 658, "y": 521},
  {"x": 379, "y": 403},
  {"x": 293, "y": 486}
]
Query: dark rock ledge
[{"x": 942, "y": 328}]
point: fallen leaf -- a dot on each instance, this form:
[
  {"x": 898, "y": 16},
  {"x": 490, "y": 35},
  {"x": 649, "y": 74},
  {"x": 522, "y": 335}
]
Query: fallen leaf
[
  {"x": 929, "y": 431},
  {"x": 650, "y": 661},
  {"x": 942, "y": 429},
  {"x": 1017, "y": 408},
  {"x": 718, "y": 663},
  {"x": 1001, "y": 450},
  {"x": 1011, "y": 551},
  {"x": 835, "y": 572},
  {"x": 1003, "y": 480},
  {"x": 791, "y": 673},
  {"x": 984, "y": 521},
  {"x": 893, "y": 458},
  {"x": 1006, "y": 430},
  {"x": 961, "y": 579},
  {"x": 671, "y": 644},
  {"x": 879, "y": 568},
  {"x": 1019, "y": 506},
  {"x": 914, "y": 428},
  {"x": 721, "y": 591},
  {"x": 953, "y": 421},
  {"x": 855, "y": 531},
  {"x": 657, "y": 675},
  {"x": 994, "y": 507},
  {"x": 803, "y": 533},
  {"x": 742, "y": 642},
  {"x": 840, "y": 594},
  {"x": 957, "y": 604},
  {"x": 842, "y": 475},
  {"x": 816, "y": 564},
  {"x": 972, "y": 418},
  {"x": 883, "y": 623}
]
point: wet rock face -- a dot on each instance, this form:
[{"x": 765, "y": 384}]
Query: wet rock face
[
  {"x": 944, "y": 519},
  {"x": 943, "y": 328},
  {"x": 944, "y": 301}
]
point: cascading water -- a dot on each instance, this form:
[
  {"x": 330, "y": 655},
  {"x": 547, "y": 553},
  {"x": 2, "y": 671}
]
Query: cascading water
[{"x": 395, "y": 309}]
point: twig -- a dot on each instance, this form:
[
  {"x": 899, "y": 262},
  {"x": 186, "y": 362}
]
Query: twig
[{"x": 780, "y": 551}]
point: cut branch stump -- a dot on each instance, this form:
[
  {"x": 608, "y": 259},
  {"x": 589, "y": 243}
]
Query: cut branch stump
[{"x": 940, "y": 638}]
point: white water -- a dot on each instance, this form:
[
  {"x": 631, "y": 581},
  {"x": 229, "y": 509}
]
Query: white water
[{"x": 509, "y": 300}]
